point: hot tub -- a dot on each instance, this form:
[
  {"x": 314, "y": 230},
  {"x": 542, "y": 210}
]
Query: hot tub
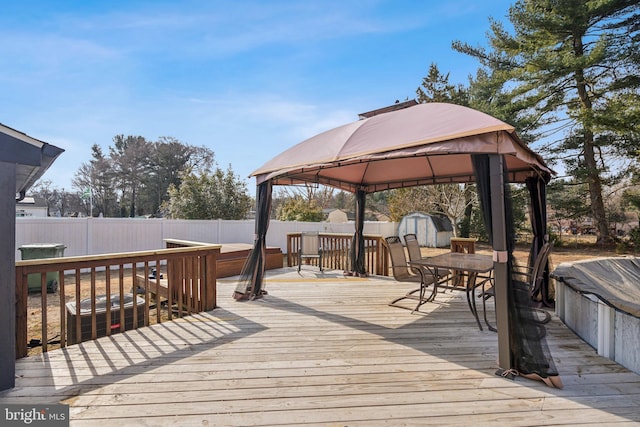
[{"x": 599, "y": 299}]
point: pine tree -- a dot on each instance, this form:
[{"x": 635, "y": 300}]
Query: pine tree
[{"x": 572, "y": 66}]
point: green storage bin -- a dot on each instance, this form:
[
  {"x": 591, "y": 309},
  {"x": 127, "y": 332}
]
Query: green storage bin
[{"x": 40, "y": 251}]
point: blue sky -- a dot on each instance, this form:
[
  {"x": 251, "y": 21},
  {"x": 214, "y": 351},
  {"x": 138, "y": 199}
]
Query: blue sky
[{"x": 247, "y": 79}]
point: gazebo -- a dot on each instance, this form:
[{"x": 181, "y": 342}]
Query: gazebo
[
  {"x": 434, "y": 143},
  {"x": 23, "y": 160}
]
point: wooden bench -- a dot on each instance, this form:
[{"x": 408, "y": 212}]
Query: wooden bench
[{"x": 159, "y": 289}]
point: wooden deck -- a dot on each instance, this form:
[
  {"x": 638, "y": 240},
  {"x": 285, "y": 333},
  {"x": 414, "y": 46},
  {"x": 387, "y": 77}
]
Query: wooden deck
[{"x": 322, "y": 349}]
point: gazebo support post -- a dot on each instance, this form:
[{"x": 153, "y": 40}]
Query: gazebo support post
[
  {"x": 499, "y": 227},
  {"x": 251, "y": 283},
  {"x": 357, "y": 244}
]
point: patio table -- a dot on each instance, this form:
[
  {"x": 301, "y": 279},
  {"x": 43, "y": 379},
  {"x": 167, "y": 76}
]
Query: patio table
[{"x": 476, "y": 268}]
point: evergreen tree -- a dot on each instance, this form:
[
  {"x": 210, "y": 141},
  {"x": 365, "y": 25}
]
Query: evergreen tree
[
  {"x": 131, "y": 160},
  {"x": 169, "y": 159},
  {"x": 204, "y": 195},
  {"x": 97, "y": 177},
  {"x": 572, "y": 66},
  {"x": 299, "y": 209},
  {"x": 436, "y": 88},
  {"x": 134, "y": 178}
]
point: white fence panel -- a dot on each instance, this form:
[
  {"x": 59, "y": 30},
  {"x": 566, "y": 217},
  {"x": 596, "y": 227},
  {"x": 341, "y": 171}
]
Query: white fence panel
[
  {"x": 91, "y": 236},
  {"x": 194, "y": 230},
  {"x": 236, "y": 231},
  {"x": 70, "y": 232},
  {"x": 111, "y": 235}
]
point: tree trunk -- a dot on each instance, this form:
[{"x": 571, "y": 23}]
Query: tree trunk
[
  {"x": 595, "y": 191},
  {"x": 465, "y": 224},
  {"x": 132, "y": 211},
  {"x": 593, "y": 175}
]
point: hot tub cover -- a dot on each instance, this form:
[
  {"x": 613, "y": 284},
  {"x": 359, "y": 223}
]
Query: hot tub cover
[{"x": 615, "y": 280}]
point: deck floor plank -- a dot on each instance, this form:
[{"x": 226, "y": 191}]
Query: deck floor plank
[{"x": 322, "y": 349}]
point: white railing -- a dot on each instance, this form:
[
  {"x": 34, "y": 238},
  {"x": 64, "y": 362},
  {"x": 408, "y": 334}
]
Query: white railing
[{"x": 91, "y": 236}]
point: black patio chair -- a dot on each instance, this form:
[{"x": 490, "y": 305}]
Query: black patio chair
[{"x": 532, "y": 277}]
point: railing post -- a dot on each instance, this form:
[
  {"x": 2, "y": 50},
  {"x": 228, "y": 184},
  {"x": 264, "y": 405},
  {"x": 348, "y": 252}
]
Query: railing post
[
  {"x": 210, "y": 292},
  {"x": 21, "y": 312},
  {"x": 289, "y": 249},
  {"x": 384, "y": 257},
  {"x": 378, "y": 256}
]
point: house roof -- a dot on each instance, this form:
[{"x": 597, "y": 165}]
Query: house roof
[
  {"x": 31, "y": 156},
  {"x": 33, "y": 201}
]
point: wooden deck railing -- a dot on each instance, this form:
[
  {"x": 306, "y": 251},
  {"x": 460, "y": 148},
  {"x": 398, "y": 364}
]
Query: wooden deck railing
[
  {"x": 184, "y": 283},
  {"x": 335, "y": 252}
]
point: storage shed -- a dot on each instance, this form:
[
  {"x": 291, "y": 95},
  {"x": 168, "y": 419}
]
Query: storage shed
[
  {"x": 432, "y": 231},
  {"x": 337, "y": 216}
]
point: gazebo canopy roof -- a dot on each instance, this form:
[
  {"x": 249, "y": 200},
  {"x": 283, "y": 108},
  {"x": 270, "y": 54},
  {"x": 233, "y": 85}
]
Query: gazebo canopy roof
[{"x": 423, "y": 144}]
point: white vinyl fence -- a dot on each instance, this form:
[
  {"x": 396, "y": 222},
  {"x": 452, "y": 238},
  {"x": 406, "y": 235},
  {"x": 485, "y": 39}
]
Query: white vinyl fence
[{"x": 92, "y": 236}]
